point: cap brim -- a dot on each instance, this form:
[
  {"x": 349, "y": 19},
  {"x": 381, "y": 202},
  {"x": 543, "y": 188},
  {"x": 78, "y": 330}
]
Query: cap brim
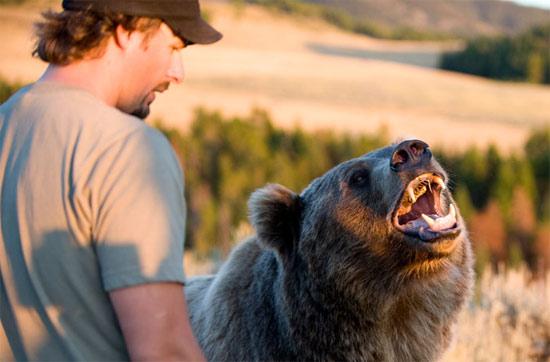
[{"x": 195, "y": 31}]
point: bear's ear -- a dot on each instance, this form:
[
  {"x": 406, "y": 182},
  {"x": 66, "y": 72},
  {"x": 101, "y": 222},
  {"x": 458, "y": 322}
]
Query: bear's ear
[{"x": 275, "y": 214}]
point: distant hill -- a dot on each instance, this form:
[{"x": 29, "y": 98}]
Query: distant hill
[
  {"x": 418, "y": 19},
  {"x": 458, "y": 17}
]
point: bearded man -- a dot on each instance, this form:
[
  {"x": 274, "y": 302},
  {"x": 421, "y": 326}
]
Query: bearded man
[{"x": 92, "y": 205}]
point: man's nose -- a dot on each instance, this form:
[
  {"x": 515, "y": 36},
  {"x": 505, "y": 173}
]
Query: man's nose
[{"x": 176, "y": 72}]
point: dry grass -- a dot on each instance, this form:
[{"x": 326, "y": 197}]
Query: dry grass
[{"x": 508, "y": 321}]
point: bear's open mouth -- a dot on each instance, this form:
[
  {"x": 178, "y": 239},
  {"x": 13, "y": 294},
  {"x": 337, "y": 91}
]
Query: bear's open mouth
[{"x": 420, "y": 212}]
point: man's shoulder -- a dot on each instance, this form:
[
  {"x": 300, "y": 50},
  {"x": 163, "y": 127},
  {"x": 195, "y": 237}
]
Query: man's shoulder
[
  {"x": 79, "y": 105},
  {"x": 55, "y": 105},
  {"x": 73, "y": 116}
]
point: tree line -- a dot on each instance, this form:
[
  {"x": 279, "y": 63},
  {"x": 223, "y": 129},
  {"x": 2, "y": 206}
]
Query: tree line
[
  {"x": 504, "y": 198},
  {"x": 525, "y": 57},
  {"x": 226, "y": 159}
]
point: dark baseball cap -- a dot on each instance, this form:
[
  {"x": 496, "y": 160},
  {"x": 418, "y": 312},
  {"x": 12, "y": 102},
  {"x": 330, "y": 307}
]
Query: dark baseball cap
[{"x": 182, "y": 16}]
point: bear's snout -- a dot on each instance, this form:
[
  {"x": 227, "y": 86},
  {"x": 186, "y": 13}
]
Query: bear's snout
[{"x": 410, "y": 154}]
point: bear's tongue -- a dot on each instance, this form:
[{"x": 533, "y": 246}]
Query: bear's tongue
[
  {"x": 428, "y": 227},
  {"x": 434, "y": 222}
]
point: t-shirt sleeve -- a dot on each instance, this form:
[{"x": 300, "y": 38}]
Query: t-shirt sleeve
[{"x": 139, "y": 211}]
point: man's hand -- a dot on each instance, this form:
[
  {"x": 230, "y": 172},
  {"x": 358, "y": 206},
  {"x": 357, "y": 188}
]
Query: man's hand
[{"x": 153, "y": 318}]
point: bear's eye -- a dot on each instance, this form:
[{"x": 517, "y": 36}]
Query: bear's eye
[{"x": 359, "y": 178}]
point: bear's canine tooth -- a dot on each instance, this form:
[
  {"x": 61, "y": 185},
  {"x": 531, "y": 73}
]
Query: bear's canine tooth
[
  {"x": 444, "y": 222},
  {"x": 452, "y": 211},
  {"x": 411, "y": 195},
  {"x": 431, "y": 222},
  {"x": 440, "y": 182},
  {"x": 441, "y": 222}
]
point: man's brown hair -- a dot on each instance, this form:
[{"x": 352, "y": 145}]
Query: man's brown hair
[{"x": 69, "y": 36}]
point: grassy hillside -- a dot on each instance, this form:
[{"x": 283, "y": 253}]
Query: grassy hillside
[
  {"x": 345, "y": 20},
  {"x": 418, "y": 19}
]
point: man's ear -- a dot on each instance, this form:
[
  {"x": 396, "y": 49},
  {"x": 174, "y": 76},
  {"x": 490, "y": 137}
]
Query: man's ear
[
  {"x": 122, "y": 37},
  {"x": 275, "y": 214}
]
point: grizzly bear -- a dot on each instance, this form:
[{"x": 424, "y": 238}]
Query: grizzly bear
[{"x": 371, "y": 262}]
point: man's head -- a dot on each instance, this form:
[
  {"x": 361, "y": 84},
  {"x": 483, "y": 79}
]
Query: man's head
[
  {"x": 149, "y": 34},
  {"x": 153, "y": 62}
]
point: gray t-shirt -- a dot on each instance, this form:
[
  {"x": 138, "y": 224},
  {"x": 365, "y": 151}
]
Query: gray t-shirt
[{"x": 91, "y": 201}]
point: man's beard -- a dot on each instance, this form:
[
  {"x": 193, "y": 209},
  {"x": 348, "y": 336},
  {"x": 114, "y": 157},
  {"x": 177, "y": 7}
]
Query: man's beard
[
  {"x": 142, "y": 112},
  {"x": 144, "y": 108}
]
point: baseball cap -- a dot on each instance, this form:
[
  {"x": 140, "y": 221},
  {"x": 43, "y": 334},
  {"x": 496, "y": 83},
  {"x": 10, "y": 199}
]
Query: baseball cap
[{"x": 182, "y": 16}]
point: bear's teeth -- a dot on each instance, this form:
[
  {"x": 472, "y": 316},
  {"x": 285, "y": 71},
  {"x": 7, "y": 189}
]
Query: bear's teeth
[
  {"x": 429, "y": 220},
  {"x": 412, "y": 198},
  {"x": 440, "y": 182},
  {"x": 420, "y": 190},
  {"x": 441, "y": 223}
]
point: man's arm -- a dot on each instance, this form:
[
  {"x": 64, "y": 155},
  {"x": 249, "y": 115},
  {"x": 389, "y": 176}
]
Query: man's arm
[{"x": 154, "y": 320}]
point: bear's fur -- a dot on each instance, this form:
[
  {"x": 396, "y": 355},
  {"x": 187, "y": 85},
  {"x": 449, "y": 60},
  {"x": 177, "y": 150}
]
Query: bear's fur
[{"x": 329, "y": 277}]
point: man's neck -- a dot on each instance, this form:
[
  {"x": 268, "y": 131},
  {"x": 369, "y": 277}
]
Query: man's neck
[{"x": 98, "y": 76}]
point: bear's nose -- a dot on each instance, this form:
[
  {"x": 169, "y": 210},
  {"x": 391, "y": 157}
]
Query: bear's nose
[{"x": 410, "y": 154}]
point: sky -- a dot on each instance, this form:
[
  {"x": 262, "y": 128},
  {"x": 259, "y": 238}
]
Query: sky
[{"x": 545, "y": 4}]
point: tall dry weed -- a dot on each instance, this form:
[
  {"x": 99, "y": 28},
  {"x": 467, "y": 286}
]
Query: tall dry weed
[{"x": 507, "y": 321}]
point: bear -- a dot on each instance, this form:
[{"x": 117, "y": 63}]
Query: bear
[{"x": 370, "y": 262}]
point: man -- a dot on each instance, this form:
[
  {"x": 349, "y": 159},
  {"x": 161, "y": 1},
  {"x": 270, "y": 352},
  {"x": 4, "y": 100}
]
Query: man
[{"x": 92, "y": 206}]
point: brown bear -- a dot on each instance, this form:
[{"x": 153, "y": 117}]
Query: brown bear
[{"x": 371, "y": 262}]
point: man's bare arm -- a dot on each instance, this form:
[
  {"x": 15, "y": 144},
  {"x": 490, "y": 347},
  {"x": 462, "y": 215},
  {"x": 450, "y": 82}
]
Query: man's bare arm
[{"x": 154, "y": 320}]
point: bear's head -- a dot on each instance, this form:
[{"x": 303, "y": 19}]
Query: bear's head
[{"x": 382, "y": 222}]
